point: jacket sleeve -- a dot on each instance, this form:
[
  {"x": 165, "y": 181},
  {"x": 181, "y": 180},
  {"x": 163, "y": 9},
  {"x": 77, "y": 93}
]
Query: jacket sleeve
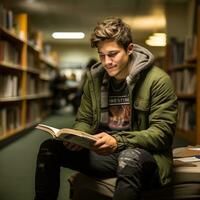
[
  {"x": 158, "y": 136},
  {"x": 84, "y": 117}
]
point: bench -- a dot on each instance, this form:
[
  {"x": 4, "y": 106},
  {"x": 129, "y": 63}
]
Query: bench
[{"x": 185, "y": 186}]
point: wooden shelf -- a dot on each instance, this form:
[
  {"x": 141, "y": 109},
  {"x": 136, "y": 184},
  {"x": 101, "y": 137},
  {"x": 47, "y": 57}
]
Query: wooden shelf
[
  {"x": 186, "y": 96},
  {"x": 191, "y": 59},
  {"x": 13, "y": 132},
  {"x": 10, "y": 65},
  {"x": 48, "y": 61},
  {"x": 38, "y": 96},
  {"x": 33, "y": 48},
  {"x": 23, "y": 93},
  {"x": 33, "y": 70},
  {"x": 10, "y": 36},
  {"x": 184, "y": 66},
  {"x": 11, "y": 99},
  {"x": 186, "y": 78},
  {"x": 198, "y": 77}
]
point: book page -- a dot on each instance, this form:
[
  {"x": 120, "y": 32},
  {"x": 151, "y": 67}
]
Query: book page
[
  {"x": 70, "y": 135},
  {"x": 53, "y": 131},
  {"x": 76, "y": 132},
  {"x": 188, "y": 159},
  {"x": 182, "y": 152}
]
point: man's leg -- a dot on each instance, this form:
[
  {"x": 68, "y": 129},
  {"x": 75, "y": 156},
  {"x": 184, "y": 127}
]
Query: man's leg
[
  {"x": 50, "y": 158},
  {"x": 137, "y": 169},
  {"x": 53, "y": 154}
]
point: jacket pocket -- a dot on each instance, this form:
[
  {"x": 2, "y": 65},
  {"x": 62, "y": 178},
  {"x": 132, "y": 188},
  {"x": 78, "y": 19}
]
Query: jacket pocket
[{"x": 141, "y": 109}]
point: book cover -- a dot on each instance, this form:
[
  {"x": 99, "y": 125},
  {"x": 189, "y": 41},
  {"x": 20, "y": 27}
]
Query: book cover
[{"x": 70, "y": 135}]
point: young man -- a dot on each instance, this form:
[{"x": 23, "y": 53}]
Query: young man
[{"x": 130, "y": 106}]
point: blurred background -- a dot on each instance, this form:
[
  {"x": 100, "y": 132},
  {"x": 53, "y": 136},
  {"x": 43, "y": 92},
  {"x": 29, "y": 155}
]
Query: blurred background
[{"x": 42, "y": 73}]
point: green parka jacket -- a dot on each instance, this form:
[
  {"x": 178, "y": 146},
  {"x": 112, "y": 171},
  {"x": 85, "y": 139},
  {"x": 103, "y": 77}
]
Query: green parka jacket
[{"x": 153, "y": 109}]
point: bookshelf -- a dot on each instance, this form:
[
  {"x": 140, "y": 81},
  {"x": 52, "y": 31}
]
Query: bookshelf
[
  {"x": 183, "y": 64},
  {"x": 25, "y": 75}
]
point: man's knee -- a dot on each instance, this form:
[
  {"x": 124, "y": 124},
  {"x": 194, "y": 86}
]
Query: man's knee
[
  {"x": 127, "y": 160},
  {"x": 49, "y": 150},
  {"x": 49, "y": 146},
  {"x": 135, "y": 159},
  {"x": 139, "y": 166}
]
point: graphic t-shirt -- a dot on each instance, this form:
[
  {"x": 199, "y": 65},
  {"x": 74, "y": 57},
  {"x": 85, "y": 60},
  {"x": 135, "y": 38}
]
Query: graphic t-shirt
[{"x": 118, "y": 106}]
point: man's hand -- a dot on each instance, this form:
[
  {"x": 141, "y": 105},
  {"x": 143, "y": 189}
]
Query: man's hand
[
  {"x": 105, "y": 144},
  {"x": 72, "y": 146}
]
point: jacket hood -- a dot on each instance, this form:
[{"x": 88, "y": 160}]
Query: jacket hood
[{"x": 141, "y": 59}]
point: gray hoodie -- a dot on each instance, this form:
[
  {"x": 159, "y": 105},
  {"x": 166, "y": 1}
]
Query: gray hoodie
[{"x": 141, "y": 59}]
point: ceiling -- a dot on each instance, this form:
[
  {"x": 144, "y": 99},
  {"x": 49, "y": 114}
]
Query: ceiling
[{"x": 81, "y": 15}]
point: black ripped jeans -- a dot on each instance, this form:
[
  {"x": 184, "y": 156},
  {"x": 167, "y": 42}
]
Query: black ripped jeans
[{"x": 135, "y": 169}]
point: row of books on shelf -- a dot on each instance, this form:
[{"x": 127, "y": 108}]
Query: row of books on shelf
[
  {"x": 51, "y": 59},
  {"x": 48, "y": 55},
  {"x": 8, "y": 21},
  {"x": 45, "y": 64},
  {"x": 46, "y": 73},
  {"x": 9, "y": 53},
  {"x": 10, "y": 117},
  {"x": 32, "y": 60},
  {"x": 35, "y": 40},
  {"x": 185, "y": 81},
  {"x": 11, "y": 22},
  {"x": 10, "y": 85},
  {"x": 43, "y": 87},
  {"x": 190, "y": 50},
  {"x": 186, "y": 116},
  {"x": 33, "y": 112},
  {"x": 32, "y": 84},
  {"x": 37, "y": 86},
  {"x": 180, "y": 52},
  {"x": 27, "y": 66}
]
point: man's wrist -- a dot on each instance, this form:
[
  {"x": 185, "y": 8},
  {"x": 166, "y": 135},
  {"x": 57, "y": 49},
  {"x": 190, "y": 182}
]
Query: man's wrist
[{"x": 121, "y": 142}]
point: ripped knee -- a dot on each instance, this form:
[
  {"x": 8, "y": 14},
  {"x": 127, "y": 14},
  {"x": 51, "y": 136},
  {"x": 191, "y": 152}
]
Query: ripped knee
[{"x": 129, "y": 157}]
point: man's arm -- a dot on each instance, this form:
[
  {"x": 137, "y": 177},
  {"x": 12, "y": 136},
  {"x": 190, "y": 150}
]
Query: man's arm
[{"x": 84, "y": 117}]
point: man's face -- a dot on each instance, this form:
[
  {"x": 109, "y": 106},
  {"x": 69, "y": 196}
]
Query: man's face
[{"x": 114, "y": 58}]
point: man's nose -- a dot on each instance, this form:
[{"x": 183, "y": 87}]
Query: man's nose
[{"x": 108, "y": 60}]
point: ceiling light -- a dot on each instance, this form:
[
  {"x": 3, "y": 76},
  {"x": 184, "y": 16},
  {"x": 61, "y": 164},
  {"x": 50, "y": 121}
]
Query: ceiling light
[
  {"x": 146, "y": 22},
  {"x": 162, "y": 35},
  {"x": 157, "y": 39},
  {"x": 68, "y": 35}
]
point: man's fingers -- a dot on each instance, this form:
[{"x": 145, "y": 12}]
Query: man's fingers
[{"x": 99, "y": 142}]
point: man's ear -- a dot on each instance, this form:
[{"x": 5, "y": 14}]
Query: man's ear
[{"x": 130, "y": 48}]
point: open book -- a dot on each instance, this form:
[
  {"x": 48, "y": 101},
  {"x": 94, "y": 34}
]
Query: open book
[{"x": 70, "y": 135}]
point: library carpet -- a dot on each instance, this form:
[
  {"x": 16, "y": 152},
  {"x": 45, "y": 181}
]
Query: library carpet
[{"x": 18, "y": 159}]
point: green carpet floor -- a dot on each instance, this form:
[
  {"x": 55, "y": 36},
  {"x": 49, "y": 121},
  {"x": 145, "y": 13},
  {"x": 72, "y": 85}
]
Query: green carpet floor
[{"x": 18, "y": 160}]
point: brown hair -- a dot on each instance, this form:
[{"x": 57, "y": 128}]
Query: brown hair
[{"x": 114, "y": 29}]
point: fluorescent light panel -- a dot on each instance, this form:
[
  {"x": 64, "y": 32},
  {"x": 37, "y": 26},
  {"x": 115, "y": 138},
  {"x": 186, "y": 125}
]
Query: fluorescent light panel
[
  {"x": 157, "y": 39},
  {"x": 68, "y": 35},
  {"x": 146, "y": 22}
]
